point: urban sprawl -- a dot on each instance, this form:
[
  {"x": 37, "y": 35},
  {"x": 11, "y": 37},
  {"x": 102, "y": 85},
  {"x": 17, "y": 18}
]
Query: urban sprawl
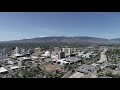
[{"x": 56, "y": 62}]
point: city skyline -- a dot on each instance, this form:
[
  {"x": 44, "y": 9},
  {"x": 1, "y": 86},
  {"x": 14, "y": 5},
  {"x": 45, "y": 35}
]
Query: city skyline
[{"x": 25, "y": 25}]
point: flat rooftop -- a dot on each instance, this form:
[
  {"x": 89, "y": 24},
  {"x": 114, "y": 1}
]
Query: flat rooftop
[
  {"x": 72, "y": 59},
  {"x": 86, "y": 68},
  {"x": 2, "y": 69}
]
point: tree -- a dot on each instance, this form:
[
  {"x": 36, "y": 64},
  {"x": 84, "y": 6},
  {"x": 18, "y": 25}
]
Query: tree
[
  {"x": 17, "y": 75},
  {"x": 82, "y": 62},
  {"x": 116, "y": 76},
  {"x": 109, "y": 74},
  {"x": 50, "y": 75},
  {"x": 113, "y": 66}
]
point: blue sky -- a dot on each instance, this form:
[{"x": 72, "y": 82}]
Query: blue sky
[{"x": 21, "y": 25}]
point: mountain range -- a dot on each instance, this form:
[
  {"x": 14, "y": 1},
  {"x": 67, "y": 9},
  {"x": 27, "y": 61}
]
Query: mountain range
[{"x": 63, "y": 39}]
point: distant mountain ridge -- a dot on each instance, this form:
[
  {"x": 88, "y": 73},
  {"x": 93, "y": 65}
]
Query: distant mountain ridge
[{"x": 63, "y": 39}]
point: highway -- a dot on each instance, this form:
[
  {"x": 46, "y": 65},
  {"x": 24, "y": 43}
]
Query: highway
[
  {"x": 67, "y": 74},
  {"x": 103, "y": 59}
]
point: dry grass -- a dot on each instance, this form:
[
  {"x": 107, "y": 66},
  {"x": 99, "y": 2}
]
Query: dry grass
[{"x": 50, "y": 67}]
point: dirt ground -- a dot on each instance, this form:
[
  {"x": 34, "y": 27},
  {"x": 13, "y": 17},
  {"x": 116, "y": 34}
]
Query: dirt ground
[{"x": 50, "y": 67}]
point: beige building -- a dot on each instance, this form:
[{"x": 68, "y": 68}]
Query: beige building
[{"x": 67, "y": 51}]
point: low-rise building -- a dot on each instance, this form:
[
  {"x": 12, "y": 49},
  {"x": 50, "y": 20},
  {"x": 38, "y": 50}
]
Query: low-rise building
[
  {"x": 3, "y": 70},
  {"x": 22, "y": 60},
  {"x": 16, "y": 55},
  {"x": 86, "y": 69},
  {"x": 62, "y": 62},
  {"x": 72, "y": 59}
]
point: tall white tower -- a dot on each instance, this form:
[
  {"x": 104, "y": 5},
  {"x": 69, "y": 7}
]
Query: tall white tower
[{"x": 16, "y": 50}]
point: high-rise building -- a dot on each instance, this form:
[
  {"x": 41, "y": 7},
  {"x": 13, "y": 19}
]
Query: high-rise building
[
  {"x": 4, "y": 52},
  {"x": 30, "y": 51},
  {"x": 67, "y": 51},
  {"x": 61, "y": 55},
  {"x": 17, "y": 50},
  {"x": 22, "y": 51},
  {"x": 47, "y": 54}
]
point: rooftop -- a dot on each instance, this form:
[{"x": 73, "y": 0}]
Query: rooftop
[
  {"x": 17, "y": 54},
  {"x": 2, "y": 69},
  {"x": 25, "y": 58},
  {"x": 14, "y": 67},
  {"x": 72, "y": 59},
  {"x": 86, "y": 68}
]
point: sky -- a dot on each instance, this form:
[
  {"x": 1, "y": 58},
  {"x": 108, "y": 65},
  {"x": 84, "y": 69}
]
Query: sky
[{"x": 25, "y": 25}]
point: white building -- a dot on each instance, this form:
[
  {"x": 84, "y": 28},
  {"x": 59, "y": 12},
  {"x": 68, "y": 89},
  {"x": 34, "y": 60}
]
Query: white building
[
  {"x": 14, "y": 67},
  {"x": 4, "y": 52},
  {"x": 17, "y": 50},
  {"x": 47, "y": 54},
  {"x": 20, "y": 63},
  {"x": 16, "y": 55},
  {"x": 80, "y": 54},
  {"x": 62, "y": 62},
  {"x": 10, "y": 62},
  {"x": 3, "y": 70},
  {"x": 34, "y": 57},
  {"x": 67, "y": 51}
]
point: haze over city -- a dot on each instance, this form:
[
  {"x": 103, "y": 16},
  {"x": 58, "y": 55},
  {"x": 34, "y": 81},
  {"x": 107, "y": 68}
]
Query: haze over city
[{"x": 24, "y": 25}]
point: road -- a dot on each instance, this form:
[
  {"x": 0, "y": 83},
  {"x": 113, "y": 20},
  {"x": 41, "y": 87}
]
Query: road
[
  {"x": 102, "y": 62},
  {"x": 103, "y": 59},
  {"x": 67, "y": 74}
]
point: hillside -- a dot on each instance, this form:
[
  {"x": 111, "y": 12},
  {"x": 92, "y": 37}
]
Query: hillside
[{"x": 69, "y": 40}]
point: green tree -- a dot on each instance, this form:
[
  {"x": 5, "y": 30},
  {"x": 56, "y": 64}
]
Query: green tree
[
  {"x": 116, "y": 76},
  {"x": 113, "y": 66}
]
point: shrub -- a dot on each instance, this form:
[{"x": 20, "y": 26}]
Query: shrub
[
  {"x": 109, "y": 74},
  {"x": 116, "y": 76},
  {"x": 113, "y": 66}
]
